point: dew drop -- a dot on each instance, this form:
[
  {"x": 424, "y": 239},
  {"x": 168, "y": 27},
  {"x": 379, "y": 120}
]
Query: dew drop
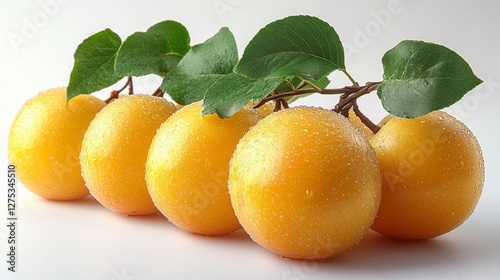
[{"x": 309, "y": 193}]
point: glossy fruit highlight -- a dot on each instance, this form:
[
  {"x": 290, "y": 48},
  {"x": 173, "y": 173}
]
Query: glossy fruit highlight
[
  {"x": 45, "y": 140},
  {"x": 433, "y": 173},
  {"x": 305, "y": 183},
  {"x": 187, "y": 168},
  {"x": 115, "y": 148}
]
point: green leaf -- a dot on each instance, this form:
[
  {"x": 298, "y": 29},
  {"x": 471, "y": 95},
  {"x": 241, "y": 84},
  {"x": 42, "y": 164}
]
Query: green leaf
[
  {"x": 296, "y": 46},
  {"x": 155, "y": 51},
  {"x": 421, "y": 77},
  {"x": 286, "y": 86},
  {"x": 202, "y": 66},
  {"x": 94, "y": 64},
  {"x": 233, "y": 91}
]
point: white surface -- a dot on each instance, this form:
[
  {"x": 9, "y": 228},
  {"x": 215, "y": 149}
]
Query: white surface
[{"x": 82, "y": 240}]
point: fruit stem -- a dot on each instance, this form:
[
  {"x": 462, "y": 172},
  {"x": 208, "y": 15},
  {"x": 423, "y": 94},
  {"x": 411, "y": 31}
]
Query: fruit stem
[
  {"x": 347, "y": 100},
  {"x": 345, "y": 110},
  {"x": 349, "y": 90},
  {"x": 365, "y": 120},
  {"x": 279, "y": 105},
  {"x": 130, "y": 85},
  {"x": 297, "y": 92},
  {"x": 284, "y": 103},
  {"x": 112, "y": 96},
  {"x": 116, "y": 93},
  {"x": 290, "y": 85},
  {"x": 313, "y": 86},
  {"x": 158, "y": 92},
  {"x": 354, "y": 83},
  {"x": 369, "y": 87},
  {"x": 283, "y": 95}
]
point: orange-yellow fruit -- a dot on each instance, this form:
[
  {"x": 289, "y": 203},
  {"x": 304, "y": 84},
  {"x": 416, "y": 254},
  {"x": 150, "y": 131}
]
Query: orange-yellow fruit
[
  {"x": 115, "y": 148},
  {"x": 187, "y": 168},
  {"x": 45, "y": 140},
  {"x": 433, "y": 173},
  {"x": 266, "y": 109},
  {"x": 305, "y": 183},
  {"x": 385, "y": 120}
]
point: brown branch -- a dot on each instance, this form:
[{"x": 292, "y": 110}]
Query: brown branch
[
  {"x": 365, "y": 120},
  {"x": 130, "y": 85},
  {"x": 347, "y": 89},
  {"x": 116, "y": 93},
  {"x": 113, "y": 95},
  {"x": 369, "y": 87},
  {"x": 158, "y": 92},
  {"x": 347, "y": 100}
]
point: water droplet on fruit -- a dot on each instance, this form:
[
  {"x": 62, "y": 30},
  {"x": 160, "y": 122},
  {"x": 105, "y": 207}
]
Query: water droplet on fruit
[{"x": 309, "y": 193}]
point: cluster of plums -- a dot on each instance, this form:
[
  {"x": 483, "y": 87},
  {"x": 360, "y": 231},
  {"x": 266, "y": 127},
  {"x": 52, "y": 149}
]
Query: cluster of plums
[{"x": 303, "y": 182}]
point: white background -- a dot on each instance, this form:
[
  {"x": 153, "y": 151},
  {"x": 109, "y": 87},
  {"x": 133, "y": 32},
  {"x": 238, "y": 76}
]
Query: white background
[{"x": 82, "y": 240}]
